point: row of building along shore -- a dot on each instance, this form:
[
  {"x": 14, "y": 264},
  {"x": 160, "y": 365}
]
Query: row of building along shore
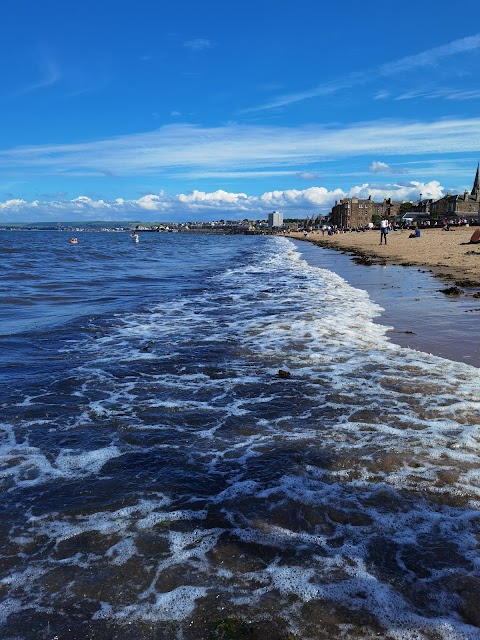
[{"x": 358, "y": 213}]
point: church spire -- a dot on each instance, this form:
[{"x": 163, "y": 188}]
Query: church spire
[{"x": 476, "y": 183}]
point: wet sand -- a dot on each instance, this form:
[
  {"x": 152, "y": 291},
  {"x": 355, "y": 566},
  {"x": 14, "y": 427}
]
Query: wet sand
[
  {"x": 448, "y": 254},
  {"x": 420, "y": 315}
]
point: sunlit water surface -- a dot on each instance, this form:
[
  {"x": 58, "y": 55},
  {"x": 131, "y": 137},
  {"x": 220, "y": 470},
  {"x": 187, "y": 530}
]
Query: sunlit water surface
[{"x": 161, "y": 480}]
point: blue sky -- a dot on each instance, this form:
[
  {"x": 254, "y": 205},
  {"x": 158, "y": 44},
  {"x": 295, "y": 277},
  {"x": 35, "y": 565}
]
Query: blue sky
[{"x": 191, "y": 110}]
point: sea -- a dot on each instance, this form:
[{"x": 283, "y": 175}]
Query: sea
[{"x": 208, "y": 437}]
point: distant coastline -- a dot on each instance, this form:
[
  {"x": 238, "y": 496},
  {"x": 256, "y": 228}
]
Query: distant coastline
[{"x": 205, "y": 227}]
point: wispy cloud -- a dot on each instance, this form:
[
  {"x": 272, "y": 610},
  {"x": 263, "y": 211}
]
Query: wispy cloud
[
  {"x": 308, "y": 175},
  {"x": 432, "y": 56},
  {"x": 48, "y": 72},
  {"x": 234, "y": 175},
  {"x": 198, "y": 44},
  {"x": 178, "y": 148},
  {"x": 381, "y": 95},
  {"x": 427, "y": 58},
  {"x": 443, "y": 93}
]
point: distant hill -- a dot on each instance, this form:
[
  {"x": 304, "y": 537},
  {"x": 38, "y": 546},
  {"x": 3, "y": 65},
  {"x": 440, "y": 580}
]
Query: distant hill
[{"x": 58, "y": 226}]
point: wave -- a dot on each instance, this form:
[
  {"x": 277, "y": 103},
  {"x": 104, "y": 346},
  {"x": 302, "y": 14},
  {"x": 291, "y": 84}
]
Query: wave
[{"x": 174, "y": 464}]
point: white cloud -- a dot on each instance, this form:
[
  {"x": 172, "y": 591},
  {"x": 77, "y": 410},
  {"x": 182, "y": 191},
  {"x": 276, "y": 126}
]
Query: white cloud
[
  {"x": 13, "y": 204},
  {"x": 201, "y": 199},
  {"x": 379, "y": 167},
  {"x": 149, "y": 202},
  {"x": 314, "y": 196},
  {"x": 201, "y": 205},
  {"x": 399, "y": 192},
  {"x": 383, "y": 167}
]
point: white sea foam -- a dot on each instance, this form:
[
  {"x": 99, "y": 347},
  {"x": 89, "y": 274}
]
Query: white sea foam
[
  {"x": 366, "y": 444},
  {"x": 175, "y": 605},
  {"x": 86, "y": 462}
]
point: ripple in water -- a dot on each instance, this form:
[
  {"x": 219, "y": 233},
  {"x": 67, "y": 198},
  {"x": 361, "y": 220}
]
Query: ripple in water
[{"x": 163, "y": 482}]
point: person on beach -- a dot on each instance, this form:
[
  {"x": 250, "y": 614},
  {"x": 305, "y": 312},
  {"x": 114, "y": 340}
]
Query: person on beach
[
  {"x": 383, "y": 231},
  {"x": 415, "y": 234}
]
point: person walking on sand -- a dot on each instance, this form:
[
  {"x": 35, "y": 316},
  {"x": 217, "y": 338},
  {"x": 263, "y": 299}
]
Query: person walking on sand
[{"x": 383, "y": 231}]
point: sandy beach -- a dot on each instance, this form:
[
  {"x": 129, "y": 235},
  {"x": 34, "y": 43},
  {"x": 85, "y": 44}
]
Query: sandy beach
[
  {"x": 448, "y": 254},
  {"x": 422, "y": 314}
]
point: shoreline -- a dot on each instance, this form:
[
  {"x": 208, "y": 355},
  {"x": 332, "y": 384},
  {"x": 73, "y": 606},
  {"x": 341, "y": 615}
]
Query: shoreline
[
  {"x": 415, "y": 307},
  {"x": 447, "y": 254}
]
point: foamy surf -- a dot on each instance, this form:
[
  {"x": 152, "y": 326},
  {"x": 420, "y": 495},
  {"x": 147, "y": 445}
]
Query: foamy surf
[{"x": 170, "y": 479}]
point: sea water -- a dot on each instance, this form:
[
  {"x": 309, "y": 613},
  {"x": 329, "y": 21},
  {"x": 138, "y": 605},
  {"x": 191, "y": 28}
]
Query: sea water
[{"x": 160, "y": 479}]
